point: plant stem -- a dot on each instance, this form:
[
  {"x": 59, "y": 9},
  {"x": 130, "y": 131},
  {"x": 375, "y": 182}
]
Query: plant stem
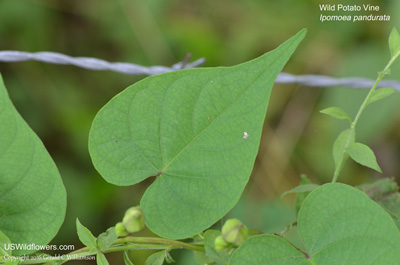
[
  {"x": 158, "y": 240},
  {"x": 121, "y": 244},
  {"x": 343, "y": 156},
  {"x": 137, "y": 247}
]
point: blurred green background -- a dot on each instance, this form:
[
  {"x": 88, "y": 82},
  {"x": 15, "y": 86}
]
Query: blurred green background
[{"x": 59, "y": 102}]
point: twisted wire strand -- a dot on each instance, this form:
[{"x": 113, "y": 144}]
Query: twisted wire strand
[
  {"x": 94, "y": 63},
  {"x": 327, "y": 81},
  {"x": 134, "y": 69}
]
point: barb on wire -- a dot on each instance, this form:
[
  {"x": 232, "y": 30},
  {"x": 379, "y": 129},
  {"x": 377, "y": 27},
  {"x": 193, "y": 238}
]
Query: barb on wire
[{"x": 134, "y": 69}]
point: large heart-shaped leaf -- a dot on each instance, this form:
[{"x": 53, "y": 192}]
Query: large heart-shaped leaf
[
  {"x": 195, "y": 131},
  {"x": 338, "y": 225},
  {"x": 32, "y": 195}
]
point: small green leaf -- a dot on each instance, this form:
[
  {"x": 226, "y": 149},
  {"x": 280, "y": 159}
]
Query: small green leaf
[
  {"x": 195, "y": 132},
  {"x": 363, "y": 155},
  {"x": 367, "y": 236},
  {"x": 386, "y": 193},
  {"x": 105, "y": 239},
  {"x": 339, "y": 146},
  {"x": 12, "y": 262},
  {"x": 211, "y": 252},
  {"x": 379, "y": 188},
  {"x": 101, "y": 259},
  {"x": 301, "y": 195},
  {"x": 391, "y": 203},
  {"x": 127, "y": 260},
  {"x": 32, "y": 195},
  {"x": 301, "y": 188},
  {"x": 4, "y": 245},
  {"x": 394, "y": 42},
  {"x": 337, "y": 113},
  {"x": 169, "y": 258},
  {"x": 156, "y": 258},
  {"x": 85, "y": 236},
  {"x": 381, "y": 94},
  {"x": 201, "y": 258}
]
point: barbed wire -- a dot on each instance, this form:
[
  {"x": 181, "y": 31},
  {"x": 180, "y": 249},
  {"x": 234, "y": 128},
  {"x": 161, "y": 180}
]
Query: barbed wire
[
  {"x": 327, "y": 81},
  {"x": 94, "y": 63},
  {"x": 135, "y": 69}
]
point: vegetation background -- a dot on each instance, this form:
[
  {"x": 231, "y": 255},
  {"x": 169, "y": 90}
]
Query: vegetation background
[{"x": 60, "y": 102}]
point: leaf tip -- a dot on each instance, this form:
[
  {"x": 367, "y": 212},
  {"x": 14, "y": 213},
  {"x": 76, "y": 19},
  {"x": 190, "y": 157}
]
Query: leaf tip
[{"x": 394, "y": 42}]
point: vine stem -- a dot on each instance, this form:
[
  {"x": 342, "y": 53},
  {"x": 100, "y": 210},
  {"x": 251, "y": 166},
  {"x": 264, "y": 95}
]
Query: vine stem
[
  {"x": 121, "y": 244},
  {"x": 158, "y": 240},
  {"x": 343, "y": 156}
]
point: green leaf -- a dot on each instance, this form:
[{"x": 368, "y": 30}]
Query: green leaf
[
  {"x": 301, "y": 188},
  {"x": 300, "y": 196},
  {"x": 363, "y": 155},
  {"x": 211, "y": 252},
  {"x": 381, "y": 94},
  {"x": 12, "y": 262},
  {"x": 105, "y": 239},
  {"x": 267, "y": 249},
  {"x": 85, "y": 236},
  {"x": 338, "y": 225},
  {"x": 365, "y": 227},
  {"x": 4, "y": 245},
  {"x": 195, "y": 132},
  {"x": 101, "y": 259},
  {"x": 32, "y": 195},
  {"x": 339, "y": 146},
  {"x": 201, "y": 258},
  {"x": 127, "y": 260},
  {"x": 391, "y": 203},
  {"x": 394, "y": 42},
  {"x": 156, "y": 258},
  {"x": 379, "y": 188},
  {"x": 337, "y": 113},
  {"x": 386, "y": 193},
  {"x": 169, "y": 258}
]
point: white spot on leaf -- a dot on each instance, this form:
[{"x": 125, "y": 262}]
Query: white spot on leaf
[{"x": 245, "y": 135}]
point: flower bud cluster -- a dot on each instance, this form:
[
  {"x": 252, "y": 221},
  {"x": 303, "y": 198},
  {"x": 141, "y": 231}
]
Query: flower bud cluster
[
  {"x": 132, "y": 222},
  {"x": 233, "y": 234}
]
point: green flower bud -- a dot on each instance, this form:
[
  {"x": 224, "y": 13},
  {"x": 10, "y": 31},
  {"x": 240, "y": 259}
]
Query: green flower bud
[
  {"x": 234, "y": 232},
  {"x": 220, "y": 244},
  {"x": 120, "y": 230},
  {"x": 133, "y": 220}
]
